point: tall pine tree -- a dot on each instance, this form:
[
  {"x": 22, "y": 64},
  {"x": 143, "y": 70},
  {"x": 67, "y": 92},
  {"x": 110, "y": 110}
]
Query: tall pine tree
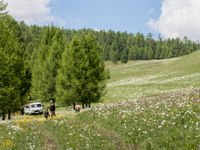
[
  {"x": 46, "y": 64},
  {"x": 12, "y": 75},
  {"x": 82, "y": 76}
]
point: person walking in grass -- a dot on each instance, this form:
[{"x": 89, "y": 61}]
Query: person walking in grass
[
  {"x": 52, "y": 109},
  {"x": 46, "y": 113}
]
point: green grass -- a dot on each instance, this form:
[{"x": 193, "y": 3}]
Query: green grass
[
  {"x": 146, "y": 78},
  {"x": 149, "y": 105},
  {"x": 158, "y": 122}
]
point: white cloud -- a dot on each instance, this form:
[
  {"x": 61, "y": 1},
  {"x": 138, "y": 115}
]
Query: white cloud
[
  {"x": 31, "y": 11},
  {"x": 178, "y": 18}
]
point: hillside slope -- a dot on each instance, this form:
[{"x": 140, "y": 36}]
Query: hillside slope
[{"x": 145, "y": 78}]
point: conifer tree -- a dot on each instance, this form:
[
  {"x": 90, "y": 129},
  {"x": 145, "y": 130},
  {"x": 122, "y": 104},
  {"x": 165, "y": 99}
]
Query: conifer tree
[
  {"x": 82, "y": 76},
  {"x": 12, "y": 76},
  {"x": 52, "y": 64},
  {"x": 124, "y": 58},
  {"x": 114, "y": 55},
  {"x": 45, "y": 66},
  {"x": 150, "y": 53},
  {"x": 133, "y": 53}
]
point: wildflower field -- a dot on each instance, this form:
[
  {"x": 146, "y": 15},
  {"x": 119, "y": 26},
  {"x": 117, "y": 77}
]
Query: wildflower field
[
  {"x": 145, "y": 78},
  {"x": 148, "y": 105}
]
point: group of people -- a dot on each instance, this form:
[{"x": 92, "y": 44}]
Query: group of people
[
  {"x": 50, "y": 113},
  {"x": 52, "y": 109}
]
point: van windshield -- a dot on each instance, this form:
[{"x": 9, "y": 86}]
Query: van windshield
[{"x": 39, "y": 105}]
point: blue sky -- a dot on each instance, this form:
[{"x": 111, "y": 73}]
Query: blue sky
[
  {"x": 118, "y": 15},
  {"x": 171, "y": 18}
]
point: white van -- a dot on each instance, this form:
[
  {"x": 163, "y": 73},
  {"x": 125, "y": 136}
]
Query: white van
[{"x": 33, "y": 108}]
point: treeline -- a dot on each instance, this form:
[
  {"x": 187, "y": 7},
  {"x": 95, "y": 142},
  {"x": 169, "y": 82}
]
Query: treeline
[{"x": 121, "y": 46}]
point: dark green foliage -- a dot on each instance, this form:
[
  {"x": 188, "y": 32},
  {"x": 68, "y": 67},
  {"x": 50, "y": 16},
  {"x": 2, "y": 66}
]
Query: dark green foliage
[
  {"x": 46, "y": 63},
  {"x": 81, "y": 77},
  {"x": 114, "y": 56},
  {"x": 137, "y": 47},
  {"x": 13, "y": 85},
  {"x": 124, "y": 58},
  {"x": 133, "y": 53}
]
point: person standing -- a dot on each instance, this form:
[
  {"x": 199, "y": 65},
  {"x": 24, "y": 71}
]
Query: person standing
[{"x": 52, "y": 109}]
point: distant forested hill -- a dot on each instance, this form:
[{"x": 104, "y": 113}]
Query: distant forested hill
[{"x": 119, "y": 46}]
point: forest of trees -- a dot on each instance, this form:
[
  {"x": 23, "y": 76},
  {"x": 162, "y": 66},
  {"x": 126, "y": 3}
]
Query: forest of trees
[
  {"x": 120, "y": 46},
  {"x": 44, "y": 63}
]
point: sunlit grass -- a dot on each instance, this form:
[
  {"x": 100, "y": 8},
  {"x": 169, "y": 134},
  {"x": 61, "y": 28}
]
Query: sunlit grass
[{"x": 145, "y": 78}]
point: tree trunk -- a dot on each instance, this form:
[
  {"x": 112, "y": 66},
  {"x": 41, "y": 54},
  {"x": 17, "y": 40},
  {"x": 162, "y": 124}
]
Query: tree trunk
[
  {"x": 86, "y": 105},
  {"x": 74, "y": 105},
  {"x": 9, "y": 114},
  {"x": 4, "y": 116},
  {"x": 89, "y": 104},
  {"x": 83, "y": 105}
]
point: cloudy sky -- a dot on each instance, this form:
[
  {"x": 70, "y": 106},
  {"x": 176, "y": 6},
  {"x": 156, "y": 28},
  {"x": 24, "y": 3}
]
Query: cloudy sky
[{"x": 171, "y": 18}]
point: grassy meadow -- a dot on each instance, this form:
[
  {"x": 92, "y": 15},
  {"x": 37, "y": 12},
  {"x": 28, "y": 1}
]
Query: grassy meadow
[
  {"x": 151, "y": 104},
  {"x": 146, "y": 78}
]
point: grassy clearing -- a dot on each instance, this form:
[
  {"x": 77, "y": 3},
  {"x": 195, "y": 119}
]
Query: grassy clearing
[
  {"x": 149, "y": 105},
  {"x": 146, "y": 78}
]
